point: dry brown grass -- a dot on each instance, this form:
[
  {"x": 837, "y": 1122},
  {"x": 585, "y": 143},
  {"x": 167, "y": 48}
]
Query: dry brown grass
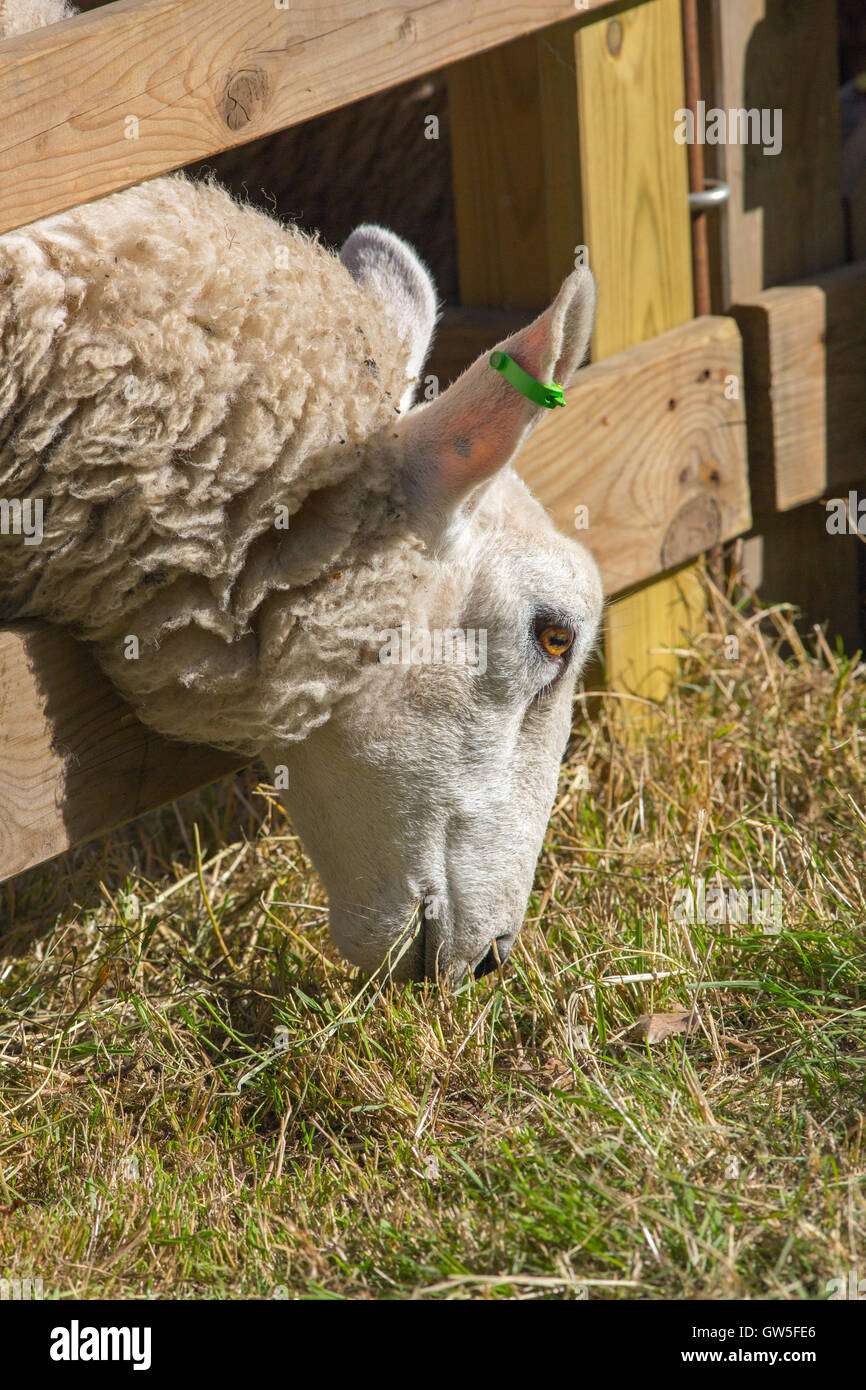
[{"x": 161, "y": 1135}]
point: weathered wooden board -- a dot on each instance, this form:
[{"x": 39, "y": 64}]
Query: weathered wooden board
[
  {"x": 634, "y": 202},
  {"x": 497, "y": 168},
  {"x": 652, "y": 448},
  {"x": 629, "y": 73},
  {"x": 784, "y": 221},
  {"x": 74, "y": 761},
  {"x": 805, "y": 353},
  {"x": 784, "y": 218},
  {"x": 139, "y": 87}
]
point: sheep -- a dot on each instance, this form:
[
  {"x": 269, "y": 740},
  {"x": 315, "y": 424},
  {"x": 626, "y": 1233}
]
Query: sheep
[{"x": 259, "y": 535}]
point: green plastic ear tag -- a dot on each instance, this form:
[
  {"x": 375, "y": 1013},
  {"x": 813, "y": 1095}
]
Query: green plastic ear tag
[{"x": 548, "y": 396}]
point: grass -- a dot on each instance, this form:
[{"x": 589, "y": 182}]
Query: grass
[{"x": 199, "y": 1100}]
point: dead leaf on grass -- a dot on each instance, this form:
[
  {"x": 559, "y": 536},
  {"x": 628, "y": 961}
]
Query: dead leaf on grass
[{"x": 654, "y": 1028}]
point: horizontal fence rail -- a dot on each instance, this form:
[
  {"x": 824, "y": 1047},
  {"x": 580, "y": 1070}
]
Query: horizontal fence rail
[
  {"x": 140, "y": 87},
  {"x": 74, "y": 760},
  {"x": 806, "y": 387}
]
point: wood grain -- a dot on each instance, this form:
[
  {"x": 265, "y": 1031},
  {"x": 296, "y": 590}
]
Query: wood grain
[
  {"x": 784, "y": 218},
  {"x": 805, "y": 356},
  {"x": 498, "y": 173},
  {"x": 74, "y": 761},
  {"x": 634, "y": 175},
  {"x": 635, "y": 222},
  {"x": 199, "y": 76}
]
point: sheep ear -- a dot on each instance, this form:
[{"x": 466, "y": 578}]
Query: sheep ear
[
  {"x": 476, "y": 427},
  {"x": 389, "y": 267}
]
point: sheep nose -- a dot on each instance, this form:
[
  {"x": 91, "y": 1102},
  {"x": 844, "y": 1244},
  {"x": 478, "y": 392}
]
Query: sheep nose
[{"x": 497, "y": 955}]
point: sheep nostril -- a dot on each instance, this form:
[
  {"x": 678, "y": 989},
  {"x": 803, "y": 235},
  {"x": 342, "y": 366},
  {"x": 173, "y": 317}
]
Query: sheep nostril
[{"x": 497, "y": 955}]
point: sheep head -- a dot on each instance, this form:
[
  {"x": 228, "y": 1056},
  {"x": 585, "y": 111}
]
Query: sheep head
[{"x": 424, "y": 798}]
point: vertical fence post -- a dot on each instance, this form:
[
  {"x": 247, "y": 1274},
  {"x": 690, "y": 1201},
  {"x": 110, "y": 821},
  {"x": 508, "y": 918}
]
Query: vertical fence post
[
  {"x": 497, "y": 161},
  {"x": 634, "y": 175},
  {"x": 784, "y": 221}
]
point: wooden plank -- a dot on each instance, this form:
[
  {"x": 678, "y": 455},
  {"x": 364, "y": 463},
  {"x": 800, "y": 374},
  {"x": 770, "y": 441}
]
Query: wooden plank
[
  {"x": 805, "y": 367},
  {"x": 784, "y": 218},
  {"x": 190, "y": 77},
  {"x": 74, "y": 761},
  {"x": 498, "y": 173},
  {"x": 654, "y": 451},
  {"x": 784, "y": 222},
  {"x": 564, "y": 223},
  {"x": 802, "y": 564},
  {"x": 634, "y": 179}
]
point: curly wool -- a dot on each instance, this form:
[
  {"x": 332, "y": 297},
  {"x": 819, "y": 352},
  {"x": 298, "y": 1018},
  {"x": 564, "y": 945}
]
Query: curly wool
[
  {"x": 22, "y": 16},
  {"x": 177, "y": 371}
]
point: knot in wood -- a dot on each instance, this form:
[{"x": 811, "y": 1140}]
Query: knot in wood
[
  {"x": 244, "y": 98},
  {"x": 696, "y": 526}
]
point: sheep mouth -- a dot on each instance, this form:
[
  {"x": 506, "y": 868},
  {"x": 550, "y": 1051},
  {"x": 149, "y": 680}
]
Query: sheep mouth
[
  {"x": 433, "y": 939},
  {"x": 419, "y": 954},
  {"x": 410, "y": 959}
]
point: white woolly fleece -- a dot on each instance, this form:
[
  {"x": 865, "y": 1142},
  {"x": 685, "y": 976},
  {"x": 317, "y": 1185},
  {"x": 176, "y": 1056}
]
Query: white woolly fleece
[
  {"x": 20, "y": 16},
  {"x": 174, "y": 368}
]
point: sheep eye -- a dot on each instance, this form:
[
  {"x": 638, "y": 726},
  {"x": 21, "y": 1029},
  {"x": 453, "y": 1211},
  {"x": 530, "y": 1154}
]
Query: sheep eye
[{"x": 555, "y": 640}]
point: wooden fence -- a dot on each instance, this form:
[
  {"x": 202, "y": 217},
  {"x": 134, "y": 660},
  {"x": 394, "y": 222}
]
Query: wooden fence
[{"x": 562, "y": 121}]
